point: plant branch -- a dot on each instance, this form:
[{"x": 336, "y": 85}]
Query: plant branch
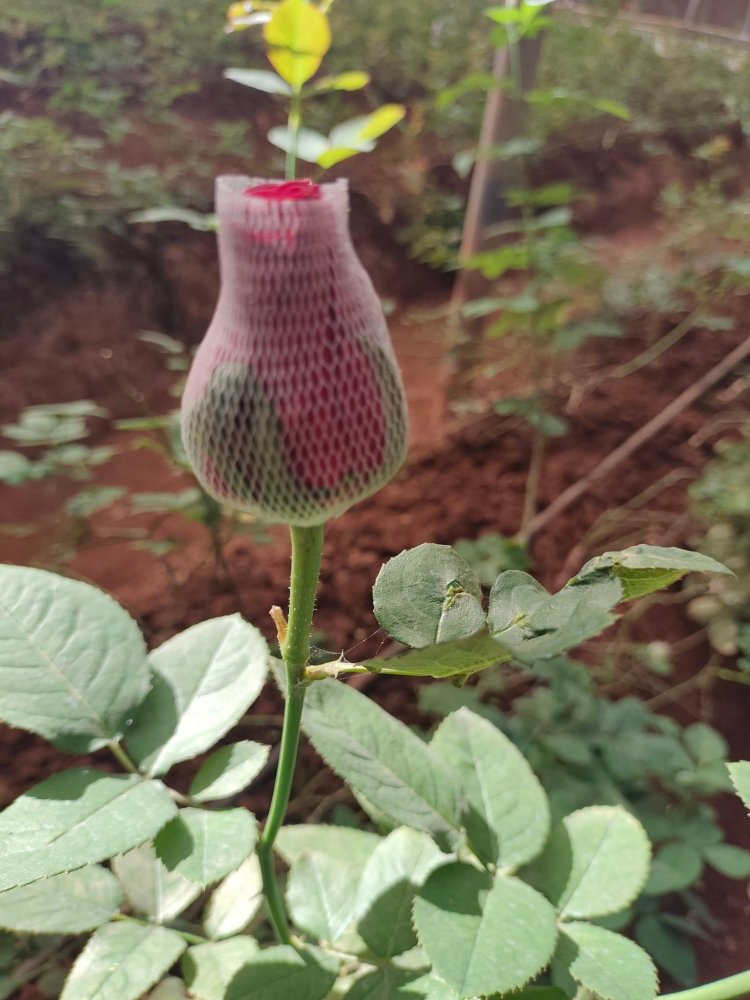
[
  {"x": 295, "y": 119},
  {"x": 121, "y": 756},
  {"x": 307, "y": 549},
  {"x": 644, "y": 434},
  {"x": 725, "y": 989}
]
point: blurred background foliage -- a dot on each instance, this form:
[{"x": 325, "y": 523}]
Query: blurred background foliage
[{"x": 115, "y": 105}]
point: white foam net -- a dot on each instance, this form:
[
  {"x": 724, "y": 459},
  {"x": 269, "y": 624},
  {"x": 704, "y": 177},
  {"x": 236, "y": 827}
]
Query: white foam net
[{"x": 294, "y": 408}]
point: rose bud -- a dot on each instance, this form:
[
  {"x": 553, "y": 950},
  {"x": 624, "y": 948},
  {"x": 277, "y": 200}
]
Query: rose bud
[{"x": 294, "y": 408}]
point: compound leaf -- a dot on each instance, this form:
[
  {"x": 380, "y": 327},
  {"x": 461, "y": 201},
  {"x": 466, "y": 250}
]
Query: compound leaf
[
  {"x": 228, "y": 770},
  {"x": 210, "y": 968},
  {"x": 321, "y": 892},
  {"x": 595, "y": 863},
  {"x": 69, "y": 903},
  {"x": 381, "y": 758},
  {"x": 204, "y": 680},
  {"x": 428, "y": 594},
  {"x": 507, "y": 814},
  {"x": 234, "y": 902},
  {"x": 643, "y": 569},
  {"x": 72, "y": 662},
  {"x": 609, "y": 965},
  {"x": 398, "y": 867},
  {"x": 458, "y": 658},
  {"x": 282, "y": 972},
  {"x": 75, "y": 818},
  {"x": 483, "y": 935},
  {"x": 205, "y": 846},
  {"x": 151, "y": 888},
  {"x": 121, "y": 961}
]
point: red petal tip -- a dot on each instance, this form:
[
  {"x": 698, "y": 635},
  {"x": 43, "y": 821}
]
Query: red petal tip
[{"x": 303, "y": 190}]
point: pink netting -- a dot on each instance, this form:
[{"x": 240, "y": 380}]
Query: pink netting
[{"x": 293, "y": 408}]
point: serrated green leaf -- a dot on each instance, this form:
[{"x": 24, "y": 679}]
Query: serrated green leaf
[
  {"x": 674, "y": 868},
  {"x": 75, "y": 818},
  {"x": 336, "y": 842},
  {"x": 72, "y": 661},
  {"x": 428, "y": 594},
  {"x": 210, "y": 968},
  {"x": 282, "y": 972},
  {"x": 400, "y": 864},
  {"x": 595, "y": 863},
  {"x": 672, "y": 951},
  {"x": 234, "y": 902},
  {"x": 298, "y": 36},
  {"x": 259, "y": 79},
  {"x": 610, "y": 965},
  {"x": 385, "y": 983},
  {"x": 381, "y": 758},
  {"x": 507, "y": 815},
  {"x": 321, "y": 893},
  {"x": 151, "y": 888},
  {"x": 228, "y": 770},
  {"x": 205, "y": 846},
  {"x": 739, "y": 772},
  {"x": 70, "y": 903},
  {"x": 644, "y": 569},
  {"x": 389, "y": 983},
  {"x": 204, "y": 681},
  {"x": 458, "y": 658},
  {"x": 483, "y": 935},
  {"x": 534, "y": 625},
  {"x": 121, "y": 961}
]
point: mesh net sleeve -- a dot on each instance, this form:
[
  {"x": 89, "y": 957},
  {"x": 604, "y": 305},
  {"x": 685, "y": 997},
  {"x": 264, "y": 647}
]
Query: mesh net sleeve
[{"x": 294, "y": 408}]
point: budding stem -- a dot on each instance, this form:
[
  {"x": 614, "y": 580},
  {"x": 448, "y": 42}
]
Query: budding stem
[{"x": 307, "y": 549}]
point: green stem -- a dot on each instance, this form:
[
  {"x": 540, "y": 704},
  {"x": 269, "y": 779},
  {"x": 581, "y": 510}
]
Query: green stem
[
  {"x": 294, "y": 122},
  {"x": 307, "y": 549},
  {"x": 118, "y": 752},
  {"x": 725, "y": 989}
]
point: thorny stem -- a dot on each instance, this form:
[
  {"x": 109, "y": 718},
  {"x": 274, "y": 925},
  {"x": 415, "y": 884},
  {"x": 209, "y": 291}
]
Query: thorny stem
[
  {"x": 307, "y": 549},
  {"x": 725, "y": 989}
]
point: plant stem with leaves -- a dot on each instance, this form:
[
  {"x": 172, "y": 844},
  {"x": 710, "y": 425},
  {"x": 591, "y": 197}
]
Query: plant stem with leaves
[{"x": 307, "y": 548}]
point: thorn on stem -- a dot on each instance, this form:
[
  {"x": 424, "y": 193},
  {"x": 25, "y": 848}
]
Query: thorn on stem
[{"x": 279, "y": 620}]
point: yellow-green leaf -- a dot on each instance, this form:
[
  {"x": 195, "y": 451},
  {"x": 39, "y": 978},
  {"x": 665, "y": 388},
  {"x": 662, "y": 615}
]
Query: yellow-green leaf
[
  {"x": 298, "y": 36},
  {"x": 353, "y": 80},
  {"x": 333, "y": 156},
  {"x": 382, "y": 120}
]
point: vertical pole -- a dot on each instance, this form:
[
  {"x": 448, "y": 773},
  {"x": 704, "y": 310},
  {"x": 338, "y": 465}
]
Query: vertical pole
[{"x": 503, "y": 120}]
